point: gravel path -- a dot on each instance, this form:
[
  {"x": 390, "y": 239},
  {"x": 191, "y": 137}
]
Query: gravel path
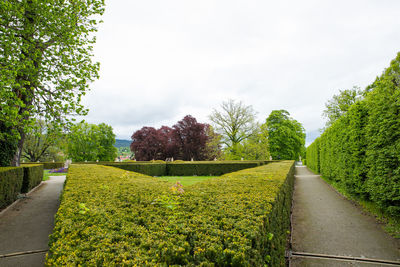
[
  {"x": 326, "y": 223},
  {"x": 26, "y": 225}
]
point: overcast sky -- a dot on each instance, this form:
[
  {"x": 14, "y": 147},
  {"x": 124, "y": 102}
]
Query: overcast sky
[{"x": 161, "y": 60}]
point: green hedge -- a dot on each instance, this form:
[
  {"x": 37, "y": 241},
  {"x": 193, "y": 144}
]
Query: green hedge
[
  {"x": 152, "y": 169},
  {"x": 183, "y": 168},
  {"x": 33, "y": 175},
  {"x": 47, "y": 165},
  {"x": 207, "y": 168},
  {"x": 312, "y": 155},
  {"x": 10, "y": 184},
  {"x": 113, "y": 217},
  {"x": 361, "y": 150}
]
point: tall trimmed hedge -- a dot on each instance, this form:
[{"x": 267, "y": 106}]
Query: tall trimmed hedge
[
  {"x": 10, "y": 184},
  {"x": 113, "y": 217},
  {"x": 33, "y": 175},
  {"x": 361, "y": 150}
]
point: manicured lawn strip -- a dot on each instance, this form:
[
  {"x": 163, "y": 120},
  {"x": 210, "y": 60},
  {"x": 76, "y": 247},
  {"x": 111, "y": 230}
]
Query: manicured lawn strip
[
  {"x": 186, "y": 180},
  {"x": 110, "y": 216},
  {"x": 46, "y": 174}
]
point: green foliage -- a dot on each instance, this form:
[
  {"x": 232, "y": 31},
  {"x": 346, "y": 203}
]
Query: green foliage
[
  {"x": 236, "y": 122},
  {"x": 43, "y": 142},
  {"x": 286, "y": 136},
  {"x": 361, "y": 150},
  {"x": 47, "y": 165},
  {"x": 45, "y": 63},
  {"x": 151, "y": 169},
  {"x": 204, "y": 168},
  {"x": 313, "y": 156},
  {"x": 182, "y": 168},
  {"x": 33, "y": 175},
  {"x": 256, "y": 147},
  {"x": 10, "y": 184},
  {"x": 239, "y": 219},
  {"x": 340, "y": 104},
  {"x": 8, "y": 144},
  {"x": 91, "y": 142}
]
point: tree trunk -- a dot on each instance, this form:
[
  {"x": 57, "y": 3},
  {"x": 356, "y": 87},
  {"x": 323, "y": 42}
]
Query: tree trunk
[{"x": 17, "y": 156}]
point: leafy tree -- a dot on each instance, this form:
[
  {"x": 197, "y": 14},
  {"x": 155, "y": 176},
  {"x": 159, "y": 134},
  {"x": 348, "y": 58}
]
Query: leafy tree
[
  {"x": 8, "y": 145},
  {"x": 45, "y": 62},
  {"x": 191, "y": 137},
  {"x": 256, "y": 147},
  {"x": 42, "y": 142},
  {"x": 213, "y": 145},
  {"x": 340, "y": 104},
  {"x": 91, "y": 142},
  {"x": 286, "y": 136},
  {"x": 235, "y": 122},
  {"x": 187, "y": 139},
  {"x": 148, "y": 144}
]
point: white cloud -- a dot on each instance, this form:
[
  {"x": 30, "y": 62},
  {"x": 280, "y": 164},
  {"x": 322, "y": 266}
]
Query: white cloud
[{"x": 161, "y": 60}]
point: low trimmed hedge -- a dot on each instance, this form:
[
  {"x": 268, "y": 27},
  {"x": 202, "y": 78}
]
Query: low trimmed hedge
[
  {"x": 113, "y": 217},
  {"x": 151, "y": 169},
  {"x": 182, "y": 168},
  {"x": 10, "y": 184},
  {"x": 33, "y": 175},
  {"x": 207, "y": 168},
  {"x": 47, "y": 165}
]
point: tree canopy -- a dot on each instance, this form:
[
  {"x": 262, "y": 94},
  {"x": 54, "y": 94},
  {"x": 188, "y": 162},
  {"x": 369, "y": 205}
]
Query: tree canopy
[
  {"x": 286, "y": 135},
  {"x": 45, "y": 61},
  {"x": 43, "y": 142},
  {"x": 235, "y": 122},
  {"x": 187, "y": 139},
  {"x": 91, "y": 142},
  {"x": 340, "y": 104}
]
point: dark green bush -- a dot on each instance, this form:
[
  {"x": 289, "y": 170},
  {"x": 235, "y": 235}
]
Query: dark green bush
[
  {"x": 10, "y": 184},
  {"x": 361, "y": 150},
  {"x": 207, "y": 168},
  {"x": 151, "y": 169},
  {"x": 182, "y": 168},
  {"x": 8, "y": 144},
  {"x": 111, "y": 217},
  {"x": 33, "y": 175}
]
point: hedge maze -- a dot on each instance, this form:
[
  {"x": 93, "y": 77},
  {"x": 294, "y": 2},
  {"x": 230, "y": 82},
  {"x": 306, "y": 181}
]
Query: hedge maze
[{"x": 111, "y": 217}]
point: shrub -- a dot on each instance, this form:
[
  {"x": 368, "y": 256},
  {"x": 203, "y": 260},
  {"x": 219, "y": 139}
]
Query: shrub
[
  {"x": 33, "y": 175},
  {"x": 10, "y": 184},
  {"x": 109, "y": 216}
]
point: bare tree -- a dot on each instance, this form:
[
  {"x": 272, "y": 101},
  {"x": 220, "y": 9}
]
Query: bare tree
[{"x": 235, "y": 122}]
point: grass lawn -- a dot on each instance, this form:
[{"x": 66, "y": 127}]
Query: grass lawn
[
  {"x": 186, "y": 180},
  {"x": 46, "y": 174}
]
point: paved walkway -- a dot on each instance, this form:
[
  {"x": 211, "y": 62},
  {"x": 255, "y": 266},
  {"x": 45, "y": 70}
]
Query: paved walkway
[
  {"x": 26, "y": 225},
  {"x": 326, "y": 223}
]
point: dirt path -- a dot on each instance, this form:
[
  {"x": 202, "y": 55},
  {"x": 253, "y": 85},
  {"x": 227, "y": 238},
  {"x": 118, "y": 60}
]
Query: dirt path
[
  {"x": 326, "y": 223},
  {"x": 26, "y": 225}
]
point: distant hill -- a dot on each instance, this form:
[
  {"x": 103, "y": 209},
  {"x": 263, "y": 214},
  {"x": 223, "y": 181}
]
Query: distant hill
[{"x": 122, "y": 143}]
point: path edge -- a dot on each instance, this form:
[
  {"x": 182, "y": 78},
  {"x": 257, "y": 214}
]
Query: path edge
[{"x": 20, "y": 199}]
